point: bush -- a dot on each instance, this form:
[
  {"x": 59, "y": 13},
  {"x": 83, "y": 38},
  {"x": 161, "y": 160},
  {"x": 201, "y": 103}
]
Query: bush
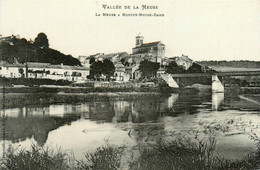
[
  {"x": 37, "y": 158},
  {"x": 32, "y": 82},
  {"x": 181, "y": 154},
  {"x": 103, "y": 158},
  {"x": 177, "y": 154},
  {"x": 5, "y": 82}
]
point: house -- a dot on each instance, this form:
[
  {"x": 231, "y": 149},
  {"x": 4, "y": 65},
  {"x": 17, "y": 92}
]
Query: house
[
  {"x": 44, "y": 71},
  {"x": 161, "y": 71},
  {"x": 37, "y": 70},
  {"x": 86, "y": 60},
  {"x": 120, "y": 72},
  {"x": 137, "y": 74},
  {"x": 154, "y": 51},
  {"x": 167, "y": 61},
  {"x": 8, "y": 38},
  {"x": 132, "y": 71},
  {"x": 184, "y": 61},
  {"x": 12, "y": 70},
  {"x": 82, "y": 59},
  {"x": 112, "y": 57},
  {"x": 135, "y": 59}
]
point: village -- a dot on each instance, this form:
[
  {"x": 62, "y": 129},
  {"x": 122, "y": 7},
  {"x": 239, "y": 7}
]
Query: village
[{"x": 126, "y": 66}]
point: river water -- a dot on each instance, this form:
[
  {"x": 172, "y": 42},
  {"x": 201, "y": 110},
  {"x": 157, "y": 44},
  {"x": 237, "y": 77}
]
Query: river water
[{"x": 78, "y": 128}]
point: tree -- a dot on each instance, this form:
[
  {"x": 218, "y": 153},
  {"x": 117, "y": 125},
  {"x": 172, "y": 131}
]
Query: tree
[
  {"x": 41, "y": 40},
  {"x": 21, "y": 71},
  {"x": 173, "y": 68},
  {"x": 22, "y": 51},
  {"x": 108, "y": 68},
  {"x": 92, "y": 60},
  {"x": 195, "y": 68},
  {"x": 148, "y": 69},
  {"x": 98, "y": 68},
  {"x": 6, "y": 52},
  {"x": 124, "y": 62},
  {"x": 95, "y": 70}
]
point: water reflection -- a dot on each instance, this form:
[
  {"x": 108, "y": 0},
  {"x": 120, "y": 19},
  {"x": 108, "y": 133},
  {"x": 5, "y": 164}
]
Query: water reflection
[
  {"x": 43, "y": 111},
  {"x": 217, "y": 99},
  {"x": 96, "y": 122}
]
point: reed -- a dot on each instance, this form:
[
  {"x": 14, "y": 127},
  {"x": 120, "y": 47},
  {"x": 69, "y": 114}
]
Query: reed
[
  {"x": 177, "y": 154},
  {"x": 103, "y": 158},
  {"x": 183, "y": 154},
  {"x": 35, "y": 158}
]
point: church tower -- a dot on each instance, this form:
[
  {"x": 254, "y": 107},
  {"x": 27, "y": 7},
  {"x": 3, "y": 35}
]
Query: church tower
[{"x": 139, "y": 40}]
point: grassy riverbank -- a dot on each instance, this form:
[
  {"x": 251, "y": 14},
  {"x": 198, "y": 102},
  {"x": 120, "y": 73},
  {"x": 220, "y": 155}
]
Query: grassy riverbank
[
  {"x": 42, "y": 98},
  {"x": 177, "y": 154},
  {"x": 52, "y": 94},
  {"x": 68, "y": 89}
]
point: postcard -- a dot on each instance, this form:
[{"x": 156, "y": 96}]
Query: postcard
[{"x": 129, "y": 84}]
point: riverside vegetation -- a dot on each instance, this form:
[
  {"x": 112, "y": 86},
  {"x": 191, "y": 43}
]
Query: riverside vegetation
[
  {"x": 183, "y": 151},
  {"x": 180, "y": 153}
]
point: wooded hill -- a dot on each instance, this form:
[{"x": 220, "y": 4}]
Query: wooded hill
[
  {"x": 21, "y": 51},
  {"x": 237, "y": 64}
]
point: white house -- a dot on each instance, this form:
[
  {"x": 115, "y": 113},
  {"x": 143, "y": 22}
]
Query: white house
[
  {"x": 12, "y": 70},
  {"x": 120, "y": 72},
  {"x": 184, "y": 61},
  {"x": 44, "y": 71}
]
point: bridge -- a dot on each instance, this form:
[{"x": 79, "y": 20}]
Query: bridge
[
  {"x": 233, "y": 73},
  {"x": 217, "y": 86}
]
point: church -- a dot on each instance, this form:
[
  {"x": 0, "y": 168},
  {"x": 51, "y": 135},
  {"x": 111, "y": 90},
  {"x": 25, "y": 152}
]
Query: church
[{"x": 153, "y": 51}]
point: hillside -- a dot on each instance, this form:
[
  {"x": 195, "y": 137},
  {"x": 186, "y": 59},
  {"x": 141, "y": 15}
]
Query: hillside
[
  {"x": 236, "y": 64},
  {"x": 21, "y": 50}
]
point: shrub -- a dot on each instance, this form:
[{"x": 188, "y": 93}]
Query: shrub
[
  {"x": 181, "y": 154},
  {"x": 177, "y": 154},
  {"x": 103, "y": 158},
  {"x": 36, "y": 158}
]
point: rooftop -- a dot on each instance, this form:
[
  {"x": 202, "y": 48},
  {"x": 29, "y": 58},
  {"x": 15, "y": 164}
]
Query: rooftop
[
  {"x": 185, "y": 58},
  {"x": 151, "y": 44},
  {"x": 44, "y": 65}
]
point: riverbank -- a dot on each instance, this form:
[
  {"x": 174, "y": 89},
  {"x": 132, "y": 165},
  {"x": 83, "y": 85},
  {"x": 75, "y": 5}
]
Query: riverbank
[
  {"x": 176, "y": 154},
  {"x": 92, "y": 87},
  {"x": 97, "y": 91},
  {"x": 138, "y": 125},
  {"x": 228, "y": 90},
  {"x": 42, "y": 98},
  {"x": 236, "y": 90}
]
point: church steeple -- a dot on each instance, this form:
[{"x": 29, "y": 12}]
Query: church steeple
[{"x": 139, "y": 40}]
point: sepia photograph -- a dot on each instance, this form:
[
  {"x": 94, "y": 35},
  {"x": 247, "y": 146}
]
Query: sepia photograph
[{"x": 129, "y": 84}]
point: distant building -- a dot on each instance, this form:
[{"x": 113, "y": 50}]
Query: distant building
[
  {"x": 57, "y": 72},
  {"x": 184, "y": 61},
  {"x": 153, "y": 51},
  {"x": 8, "y": 38},
  {"x": 113, "y": 57},
  {"x": 132, "y": 71},
  {"x": 82, "y": 58},
  {"x": 44, "y": 71},
  {"x": 86, "y": 60},
  {"x": 161, "y": 71},
  {"x": 120, "y": 72},
  {"x": 12, "y": 70}
]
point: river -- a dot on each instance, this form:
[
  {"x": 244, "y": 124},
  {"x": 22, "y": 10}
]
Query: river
[{"x": 78, "y": 128}]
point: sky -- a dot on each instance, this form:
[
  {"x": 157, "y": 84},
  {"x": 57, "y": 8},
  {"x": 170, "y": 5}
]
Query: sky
[{"x": 201, "y": 29}]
